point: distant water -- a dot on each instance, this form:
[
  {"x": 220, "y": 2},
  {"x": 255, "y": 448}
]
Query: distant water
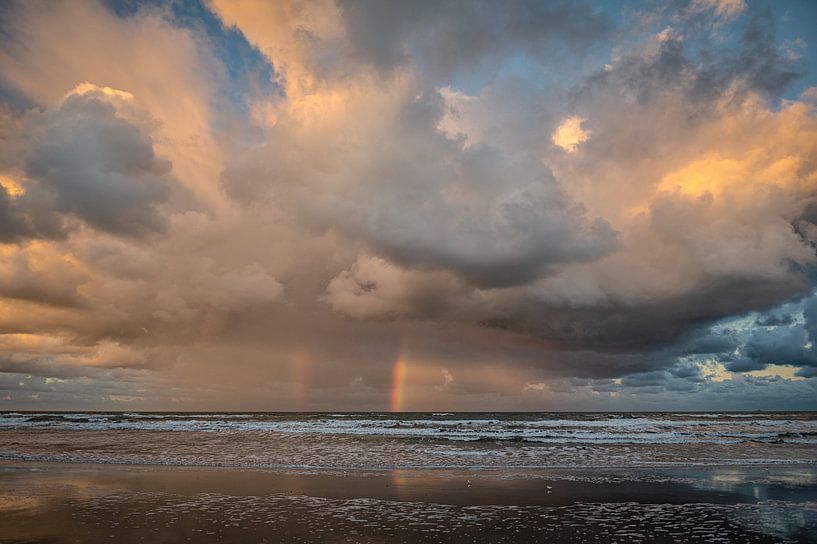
[{"x": 390, "y": 440}]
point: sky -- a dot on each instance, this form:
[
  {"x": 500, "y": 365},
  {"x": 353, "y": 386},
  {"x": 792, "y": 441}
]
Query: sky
[{"x": 419, "y": 206}]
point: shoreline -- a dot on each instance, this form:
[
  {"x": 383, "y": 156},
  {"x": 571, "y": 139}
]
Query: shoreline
[{"x": 718, "y": 463}]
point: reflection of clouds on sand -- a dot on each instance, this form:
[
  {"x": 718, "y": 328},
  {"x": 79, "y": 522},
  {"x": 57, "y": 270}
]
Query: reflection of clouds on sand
[
  {"x": 795, "y": 476},
  {"x": 18, "y": 502},
  {"x": 733, "y": 478},
  {"x": 132, "y": 514},
  {"x": 780, "y": 519}
]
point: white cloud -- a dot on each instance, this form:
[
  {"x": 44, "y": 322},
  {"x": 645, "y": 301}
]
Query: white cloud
[{"x": 569, "y": 134}]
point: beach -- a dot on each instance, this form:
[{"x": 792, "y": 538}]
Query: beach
[
  {"x": 115, "y": 503},
  {"x": 286, "y": 478}
]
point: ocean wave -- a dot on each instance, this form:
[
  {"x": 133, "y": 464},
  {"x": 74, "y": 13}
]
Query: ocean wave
[{"x": 603, "y": 429}]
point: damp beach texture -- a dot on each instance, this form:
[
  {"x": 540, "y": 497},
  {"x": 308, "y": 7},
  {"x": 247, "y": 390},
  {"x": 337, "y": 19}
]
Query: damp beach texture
[{"x": 641, "y": 478}]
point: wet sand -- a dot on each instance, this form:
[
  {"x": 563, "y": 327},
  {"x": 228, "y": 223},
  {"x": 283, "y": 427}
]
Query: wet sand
[{"x": 58, "y": 503}]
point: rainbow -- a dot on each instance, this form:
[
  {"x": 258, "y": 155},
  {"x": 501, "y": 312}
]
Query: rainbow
[
  {"x": 300, "y": 370},
  {"x": 398, "y": 379}
]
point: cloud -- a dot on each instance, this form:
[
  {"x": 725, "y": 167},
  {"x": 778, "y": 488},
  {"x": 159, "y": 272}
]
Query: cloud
[
  {"x": 82, "y": 160},
  {"x": 419, "y": 198},
  {"x": 41, "y": 275},
  {"x": 376, "y": 289},
  {"x": 683, "y": 242},
  {"x": 311, "y": 42},
  {"x": 780, "y": 341},
  {"x": 556, "y": 204},
  {"x": 13, "y": 222},
  {"x": 728, "y": 9},
  {"x": 446, "y": 38},
  {"x": 171, "y": 71},
  {"x": 570, "y": 134}
]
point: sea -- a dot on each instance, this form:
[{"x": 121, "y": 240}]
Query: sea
[
  {"x": 437, "y": 477},
  {"x": 412, "y": 440}
]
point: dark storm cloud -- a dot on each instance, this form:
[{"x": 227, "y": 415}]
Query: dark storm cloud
[
  {"x": 669, "y": 362},
  {"x": 83, "y": 161},
  {"x": 43, "y": 367},
  {"x": 627, "y": 326},
  {"x": 780, "y": 342},
  {"x": 492, "y": 217},
  {"x": 529, "y": 225},
  {"x": 774, "y": 320},
  {"x": 781, "y": 345},
  {"x": 13, "y": 223},
  {"x": 810, "y": 317}
]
